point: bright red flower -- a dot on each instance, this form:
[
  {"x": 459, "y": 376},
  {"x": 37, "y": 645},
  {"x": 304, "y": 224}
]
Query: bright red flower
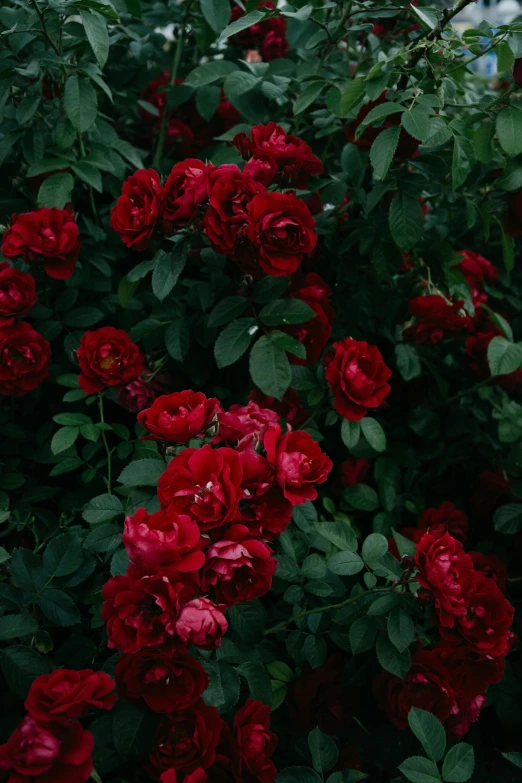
[
  {"x": 163, "y": 539},
  {"x": 66, "y": 695},
  {"x": 24, "y": 359},
  {"x": 17, "y": 293},
  {"x": 407, "y": 146},
  {"x": 204, "y": 483},
  {"x": 476, "y": 269},
  {"x": 39, "y": 753},
  {"x": 298, "y": 462},
  {"x": 255, "y": 743},
  {"x": 138, "y": 211},
  {"x": 180, "y": 416},
  {"x": 185, "y": 191},
  {"x": 225, "y": 220},
  {"x": 358, "y": 378},
  {"x": 282, "y": 229},
  {"x": 201, "y": 623},
  {"x": 245, "y": 423},
  {"x": 167, "y": 680},
  {"x": 455, "y": 521},
  {"x": 48, "y": 233},
  {"x": 436, "y": 319},
  {"x": 107, "y": 357}
]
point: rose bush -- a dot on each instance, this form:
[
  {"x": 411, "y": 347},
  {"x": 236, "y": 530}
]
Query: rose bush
[{"x": 261, "y": 473}]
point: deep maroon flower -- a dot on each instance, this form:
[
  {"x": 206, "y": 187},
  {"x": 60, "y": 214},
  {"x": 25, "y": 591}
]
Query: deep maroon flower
[
  {"x": 455, "y": 521},
  {"x": 24, "y": 359},
  {"x": 138, "y": 210},
  {"x": 17, "y": 293},
  {"x": 436, "y": 319},
  {"x": 288, "y": 408},
  {"x": 184, "y": 192},
  {"x": 315, "y": 333},
  {"x": 255, "y": 743},
  {"x": 354, "y": 471},
  {"x": 490, "y": 565},
  {"x": 107, "y": 357},
  {"x": 358, "y": 378},
  {"x": 66, "y": 695}
]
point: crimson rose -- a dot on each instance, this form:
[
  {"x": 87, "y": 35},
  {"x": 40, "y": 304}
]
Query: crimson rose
[
  {"x": 24, "y": 359},
  {"x": 436, "y": 319},
  {"x": 66, "y": 694},
  {"x": 255, "y": 743},
  {"x": 107, "y": 357},
  {"x": 242, "y": 424},
  {"x": 138, "y": 210},
  {"x": 180, "y": 416},
  {"x": 17, "y": 293},
  {"x": 184, "y": 192},
  {"x": 298, "y": 461},
  {"x": 201, "y": 623},
  {"x": 315, "y": 333},
  {"x": 163, "y": 538},
  {"x": 455, "y": 521}
]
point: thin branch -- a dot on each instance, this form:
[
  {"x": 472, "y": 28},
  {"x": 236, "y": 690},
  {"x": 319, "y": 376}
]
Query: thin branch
[{"x": 44, "y": 28}]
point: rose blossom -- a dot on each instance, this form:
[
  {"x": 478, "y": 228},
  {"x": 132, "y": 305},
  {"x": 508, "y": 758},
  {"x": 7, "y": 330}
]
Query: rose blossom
[
  {"x": 48, "y": 233},
  {"x": 168, "y": 680},
  {"x": 201, "y": 623},
  {"x": 358, "y": 378},
  {"x": 238, "y": 568},
  {"x": 141, "y": 392},
  {"x": 37, "y": 751},
  {"x": 138, "y": 210},
  {"x": 184, "y": 191},
  {"x": 24, "y": 359},
  {"x": 491, "y": 566},
  {"x": 163, "y": 538},
  {"x": 17, "y": 293},
  {"x": 242, "y": 423},
  {"x": 298, "y": 461},
  {"x": 180, "y": 416},
  {"x": 315, "y": 333},
  {"x": 282, "y": 229},
  {"x": 107, "y": 357},
  {"x": 354, "y": 471},
  {"x": 289, "y": 407},
  {"x": 266, "y": 515},
  {"x": 66, "y": 694},
  {"x": 204, "y": 483},
  {"x": 436, "y": 319},
  {"x": 255, "y": 743},
  {"x": 455, "y": 521}
]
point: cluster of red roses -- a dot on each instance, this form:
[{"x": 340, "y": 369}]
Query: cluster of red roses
[
  {"x": 266, "y": 38},
  {"x": 50, "y": 743},
  {"x": 474, "y": 619},
  {"x": 204, "y": 551}
]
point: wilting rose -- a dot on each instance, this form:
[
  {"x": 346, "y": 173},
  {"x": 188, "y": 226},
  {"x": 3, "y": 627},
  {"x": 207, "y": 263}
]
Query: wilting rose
[
  {"x": 455, "y": 521},
  {"x": 17, "y": 293},
  {"x": 407, "y": 146},
  {"x": 201, "y": 623},
  {"x": 138, "y": 210},
  {"x": 358, "y": 378},
  {"x": 167, "y": 680},
  {"x": 225, "y": 220},
  {"x": 255, "y": 743},
  {"x": 319, "y": 698},
  {"x": 48, "y": 233},
  {"x": 298, "y": 461},
  {"x": 436, "y": 319},
  {"x": 107, "y": 357},
  {"x": 491, "y": 566},
  {"x": 242, "y": 423},
  {"x": 180, "y": 416},
  {"x": 163, "y": 538},
  {"x": 282, "y": 229},
  {"x": 204, "y": 483},
  {"x": 187, "y": 741},
  {"x": 184, "y": 192},
  {"x": 66, "y": 695},
  {"x": 52, "y": 754},
  {"x": 24, "y": 359},
  {"x": 238, "y": 568}
]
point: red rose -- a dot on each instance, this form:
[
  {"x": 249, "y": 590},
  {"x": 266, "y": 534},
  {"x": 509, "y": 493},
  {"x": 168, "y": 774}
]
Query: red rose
[
  {"x": 274, "y": 44},
  {"x": 476, "y": 269},
  {"x": 427, "y": 686},
  {"x": 66, "y": 695},
  {"x": 485, "y": 626},
  {"x": 141, "y": 393},
  {"x": 201, "y": 623},
  {"x": 269, "y": 35},
  {"x": 293, "y": 157},
  {"x": 50, "y": 754},
  {"x": 167, "y": 680},
  {"x": 185, "y": 191},
  {"x": 138, "y": 210},
  {"x": 163, "y": 539},
  {"x": 180, "y": 416},
  {"x": 266, "y": 515},
  {"x": 142, "y": 612},
  {"x": 288, "y": 408},
  {"x": 225, "y": 220},
  {"x": 187, "y": 741},
  {"x": 436, "y": 319},
  {"x": 298, "y": 461},
  {"x": 319, "y": 698},
  {"x": 154, "y": 95},
  {"x": 204, "y": 483},
  {"x": 238, "y": 568},
  {"x": 25, "y": 357},
  {"x": 17, "y": 293},
  {"x": 407, "y": 146},
  {"x": 477, "y": 350},
  {"x": 315, "y": 333},
  {"x": 281, "y": 227},
  {"x": 358, "y": 378},
  {"x": 490, "y": 566},
  {"x": 354, "y": 471},
  {"x": 107, "y": 357},
  {"x": 263, "y": 170},
  {"x": 242, "y": 424},
  {"x": 455, "y": 521},
  {"x": 48, "y": 233},
  {"x": 255, "y": 743},
  {"x": 446, "y": 571},
  {"x": 513, "y": 215}
]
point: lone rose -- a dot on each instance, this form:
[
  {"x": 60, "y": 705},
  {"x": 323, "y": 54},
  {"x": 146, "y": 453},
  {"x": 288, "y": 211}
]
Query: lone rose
[
  {"x": 107, "y": 357},
  {"x": 137, "y": 211},
  {"x": 24, "y": 359},
  {"x": 358, "y": 378}
]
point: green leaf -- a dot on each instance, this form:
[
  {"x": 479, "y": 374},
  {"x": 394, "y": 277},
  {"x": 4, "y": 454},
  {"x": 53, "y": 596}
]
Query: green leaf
[
  {"x": 21, "y": 666},
  {"x": 308, "y": 96},
  {"x": 505, "y": 56},
  {"x": 13, "y": 626},
  {"x": 406, "y": 220},
  {"x": 258, "y": 681},
  {"x": 55, "y": 191},
  {"x": 89, "y": 174},
  {"x": 247, "y": 620},
  {"x": 374, "y": 433},
  {"x": 514, "y": 758},
  {"x": 345, "y": 563},
  {"x": 353, "y": 95},
  {"x": 72, "y": 419},
  {"x": 511, "y": 177},
  {"x": 226, "y": 310},
  {"x": 270, "y": 368},
  {"x": 362, "y": 497},
  {"x": 63, "y": 555},
  {"x": 239, "y": 83},
  {"x": 313, "y": 567},
  {"x": 509, "y": 131},
  {"x": 216, "y": 13},
  {"x": 287, "y": 343},
  {"x": 142, "y": 472},
  {"x": 25, "y": 568},
  {"x": 177, "y": 338},
  {"x": 482, "y": 146},
  {"x": 269, "y": 288},
  {"x": 280, "y": 671},
  {"x": 391, "y": 660},
  {"x": 420, "y": 770},
  {"x": 374, "y": 547},
  {"x": 338, "y": 533},
  {"x": 462, "y": 162},
  {"x": 167, "y": 271},
  {"x": 350, "y": 433},
  {"x": 383, "y": 149},
  {"x": 64, "y": 438},
  {"x": 209, "y": 72},
  {"x": 102, "y": 508},
  {"x": 234, "y": 340},
  {"x": 400, "y": 629},
  {"x": 80, "y": 104},
  {"x": 134, "y": 730},
  {"x": 242, "y": 23},
  {"x": 323, "y": 749},
  {"x": 104, "y": 538},
  {"x": 378, "y": 113},
  {"x": 508, "y": 519},
  {"x": 416, "y": 122},
  {"x": 362, "y": 634},
  {"x": 95, "y": 26},
  {"x": 27, "y": 108},
  {"x": 286, "y": 311},
  {"x": 429, "y": 731},
  {"x": 58, "y": 607},
  {"x": 408, "y": 361},
  {"x": 504, "y": 357},
  {"x": 82, "y": 317},
  {"x": 459, "y": 764}
]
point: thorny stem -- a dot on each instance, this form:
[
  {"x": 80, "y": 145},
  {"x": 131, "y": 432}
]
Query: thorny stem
[{"x": 106, "y": 445}]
